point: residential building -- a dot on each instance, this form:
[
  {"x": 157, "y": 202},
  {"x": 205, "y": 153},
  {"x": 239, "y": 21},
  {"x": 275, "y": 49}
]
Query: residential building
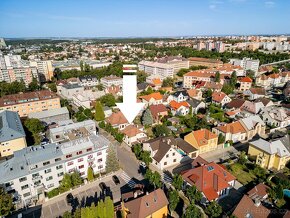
[
  {"x": 133, "y": 134},
  {"x": 255, "y": 93},
  {"x": 2, "y": 43},
  {"x": 210, "y": 63},
  {"x": 179, "y": 108},
  {"x": 167, "y": 151},
  {"x": 275, "y": 116},
  {"x": 142, "y": 87},
  {"x": 245, "y": 83},
  {"x": 12, "y": 135},
  {"x": 75, "y": 64},
  {"x": 253, "y": 125},
  {"x": 195, "y": 94},
  {"x": 36, "y": 170},
  {"x": 211, "y": 179},
  {"x": 158, "y": 112},
  {"x": 246, "y": 64},
  {"x": 232, "y": 131},
  {"x": 235, "y": 104},
  {"x": 259, "y": 192},
  {"x": 196, "y": 105},
  {"x": 117, "y": 120},
  {"x": 203, "y": 140},
  {"x": 13, "y": 68},
  {"x": 88, "y": 81},
  {"x": 220, "y": 98},
  {"x": 68, "y": 90},
  {"x": 71, "y": 131},
  {"x": 252, "y": 107},
  {"x": 154, "y": 81},
  {"x": 178, "y": 96},
  {"x": 112, "y": 80},
  {"x": 30, "y": 102},
  {"x": 87, "y": 98},
  {"x": 152, "y": 99},
  {"x": 271, "y": 154},
  {"x": 51, "y": 116},
  {"x": 153, "y": 204},
  {"x": 44, "y": 68}
]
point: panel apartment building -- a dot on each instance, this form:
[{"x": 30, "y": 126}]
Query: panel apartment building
[
  {"x": 246, "y": 64},
  {"x": 13, "y": 68},
  {"x": 35, "y": 170},
  {"x": 30, "y": 102},
  {"x": 44, "y": 68}
]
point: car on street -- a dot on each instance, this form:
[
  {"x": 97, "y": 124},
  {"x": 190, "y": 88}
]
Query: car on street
[
  {"x": 69, "y": 198},
  {"x": 115, "y": 179},
  {"x": 103, "y": 186}
]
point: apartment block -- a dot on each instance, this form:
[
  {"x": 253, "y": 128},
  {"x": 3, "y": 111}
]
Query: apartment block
[
  {"x": 30, "y": 102},
  {"x": 246, "y": 64},
  {"x": 112, "y": 80},
  {"x": 44, "y": 68},
  {"x": 34, "y": 171},
  {"x": 210, "y": 63}
]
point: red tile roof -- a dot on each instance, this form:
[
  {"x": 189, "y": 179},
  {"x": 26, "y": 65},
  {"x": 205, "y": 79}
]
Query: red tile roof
[
  {"x": 117, "y": 119},
  {"x": 218, "y": 96},
  {"x": 156, "y": 109},
  {"x": 246, "y": 80},
  {"x": 155, "y": 96},
  {"x": 235, "y": 127},
  {"x": 176, "y": 105}
]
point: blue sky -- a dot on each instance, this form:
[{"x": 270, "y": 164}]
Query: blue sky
[{"x": 142, "y": 18}]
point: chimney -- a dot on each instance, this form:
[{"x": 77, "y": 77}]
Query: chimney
[
  {"x": 135, "y": 194},
  {"x": 257, "y": 202},
  {"x": 147, "y": 193}
]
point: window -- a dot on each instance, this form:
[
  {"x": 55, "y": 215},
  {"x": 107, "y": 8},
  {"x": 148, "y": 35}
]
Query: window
[
  {"x": 57, "y": 159},
  {"x": 89, "y": 149},
  {"x": 165, "y": 163},
  {"x": 47, "y": 171},
  {"x": 24, "y": 187},
  {"x": 79, "y": 152},
  {"x": 99, "y": 153},
  {"x": 80, "y": 159},
  {"x": 22, "y": 179},
  {"x": 167, "y": 155},
  {"x": 71, "y": 170},
  {"x": 68, "y": 156},
  {"x": 49, "y": 178},
  {"x": 100, "y": 160},
  {"x": 46, "y": 163},
  {"x": 35, "y": 175},
  {"x": 59, "y": 167},
  {"x": 60, "y": 174},
  {"x": 90, "y": 156},
  {"x": 173, "y": 154},
  {"x": 174, "y": 160},
  {"x": 70, "y": 163},
  {"x": 82, "y": 173},
  {"x": 50, "y": 185},
  {"x": 81, "y": 166},
  {"x": 26, "y": 194},
  {"x": 100, "y": 166}
]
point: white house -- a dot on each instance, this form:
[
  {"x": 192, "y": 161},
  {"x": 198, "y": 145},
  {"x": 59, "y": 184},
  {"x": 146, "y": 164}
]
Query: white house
[
  {"x": 179, "y": 108},
  {"x": 133, "y": 134},
  {"x": 275, "y": 116},
  {"x": 255, "y": 93},
  {"x": 178, "y": 96},
  {"x": 220, "y": 98}
]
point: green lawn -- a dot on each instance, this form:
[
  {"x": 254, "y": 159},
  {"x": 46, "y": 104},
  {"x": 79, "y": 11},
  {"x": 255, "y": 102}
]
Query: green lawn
[{"x": 239, "y": 172}]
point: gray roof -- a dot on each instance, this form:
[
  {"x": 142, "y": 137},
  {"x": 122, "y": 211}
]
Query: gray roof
[
  {"x": 252, "y": 121},
  {"x": 274, "y": 147},
  {"x": 70, "y": 126},
  {"x": 10, "y": 126},
  {"x": 72, "y": 86},
  {"x": 19, "y": 165},
  {"x": 49, "y": 113},
  {"x": 193, "y": 102}
]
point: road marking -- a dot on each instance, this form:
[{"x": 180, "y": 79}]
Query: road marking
[
  {"x": 50, "y": 210},
  {"x": 128, "y": 179},
  {"x": 57, "y": 205}
]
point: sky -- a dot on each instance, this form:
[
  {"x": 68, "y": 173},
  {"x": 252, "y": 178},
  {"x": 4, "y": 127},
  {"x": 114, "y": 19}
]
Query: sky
[{"x": 142, "y": 18}]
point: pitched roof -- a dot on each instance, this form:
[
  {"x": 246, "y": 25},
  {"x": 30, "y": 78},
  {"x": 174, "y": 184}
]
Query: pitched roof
[
  {"x": 235, "y": 103},
  {"x": 156, "y": 109},
  {"x": 246, "y": 80},
  {"x": 155, "y": 96},
  {"x": 199, "y": 161},
  {"x": 194, "y": 102},
  {"x": 265, "y": 101},
  {"x": 209, "y": 179},
  {"x": 146, "y": 205},
  {"x": 131, "y": 131},
  {"x": 142, "y": 86},
  {"x": 117, "y": 118},
  {"x": 218, "y": 96},
  {"x": 251, "y": 122},
  {"x": 235, "y": 127},
  {"x": 176, "y": 105},
  {"x": 259, "y": 191},
  {"x": 202, "y": 136},
  {"x": 192, "y": 92},
  {"x": 258, "y": 91},
  {"x": 247, "y": 208},
  {"x": 176, "y": 94},
  {"x": 156, "y": 81}
]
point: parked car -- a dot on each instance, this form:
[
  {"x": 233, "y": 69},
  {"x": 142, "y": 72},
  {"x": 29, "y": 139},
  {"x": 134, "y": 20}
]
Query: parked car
[
  {"x": 143, "y": 164},
  {"x": 69, "y": 198},
  {"x": 115, "y": 179},
  {"x": 103, "y": 186}
]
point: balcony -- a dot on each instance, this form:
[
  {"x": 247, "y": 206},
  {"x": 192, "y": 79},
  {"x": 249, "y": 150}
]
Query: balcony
[{"x": 91, "y": 159}]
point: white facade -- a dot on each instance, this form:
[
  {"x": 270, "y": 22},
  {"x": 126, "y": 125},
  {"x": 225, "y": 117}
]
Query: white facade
[
  {"x": 246, "y": 64},
  {"x": 156, "y": 69},
  {"x": 69, "y": 90},
  {"x": 111, "y": 81}
]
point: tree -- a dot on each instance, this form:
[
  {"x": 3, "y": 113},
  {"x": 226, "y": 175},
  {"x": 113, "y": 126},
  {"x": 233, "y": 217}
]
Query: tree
[
  {"x": 100, "y": 87},
  {"x": 160, "y": 130},
  {"x": 34, "y": 125},
  {"x": 67, "y": 214},
  {"x": 154, "y": 178},
  {"x": 192, "y": 211},
  {"x": 109, "y": 207},
  {"x": 52, "y": 87},
  {"x": 88, "y": 113},
  {"x": 76, "y": 179},
  {"x": 221, "y": 139},
  {"x": 168, "y": 82},
  {"x": 33, "y": 86},
  {"x": 193, "y": 194},
  {"x": 66, "y": 183},
  {"x": 108, "y": 100},
  {"x": 99, "y": 112},
  {"x": 213, "y": 209},
  {"x": 243, "y": 158},
  {"x": 137, "y": 149},
  {"x": 147, "y": 118},
  {"x": 173, "y": 200},
  {"x": 6, "y": 204},
  {"x": 217, "y": 77},
  {"x": 251, "y": 74},
  {"x": 233, "y": 79},
  {"x": 145, "y": 157},
  {"x": 177, "y": 182},
  {"x": 227, "y": 89},
  {"x": 112, "y": 163},
  {"x": 141, "y": 76},
  {"x": 207, "y": 93},
  {"x": 182, "y": 71},
  {"x": 82, "y": 65},
  {"x": 90, "y": 174}
]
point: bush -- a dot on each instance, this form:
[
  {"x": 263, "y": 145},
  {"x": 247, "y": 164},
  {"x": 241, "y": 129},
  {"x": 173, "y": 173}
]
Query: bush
[{"x": 54, "y": 192}]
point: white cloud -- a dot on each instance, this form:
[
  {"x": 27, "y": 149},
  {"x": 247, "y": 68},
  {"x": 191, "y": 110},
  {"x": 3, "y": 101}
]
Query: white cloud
[
  {"x": 212, "y": 7},
  {"x": 269, "y": 4}
]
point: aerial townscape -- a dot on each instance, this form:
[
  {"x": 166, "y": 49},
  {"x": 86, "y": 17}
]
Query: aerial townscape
[{"x": 147, "y": 123}]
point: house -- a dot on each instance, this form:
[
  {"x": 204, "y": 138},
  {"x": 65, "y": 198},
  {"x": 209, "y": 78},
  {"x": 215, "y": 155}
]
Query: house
[
  {"x": 114, "y": 90},
  {"x": 232, "y": 131},
  {"x": 152, "y": 99},
  {"x": 179, "y": 108},
  {"x": 12, "y": 137},
  {"x": 275, "y": 116},
  {"x": 178, "y": 96},
  {"x": 194, "y": 93},
  {"x": 266, "y": 101},
  {"x": 154, "y": 81},
  {"x": 133, "y": 134},
  {"x": 153, "y": 204},
  {"x": 232, "y": 114},
  {"x": 245, "y": 83},
  {"x": 255, "y": 93},
  {"x": 142, "y": 87},
  {"x": 259, "y": 192},
  {"x": 88, "y": 81},
  {"x": 164, "y": 152},
  {"x": 196, "y": 105},
  {"x": 117, "y": 120},
  {"x": 51, "y": 116},
  {"x": 111, "y": 80},
  {"x": 247, "y": 207},
  {"x": 220, "y": 98},
  {"x": 253, "y": 125},
  {"x": 107, "y": 111},
  {"x": 158, "y": 112},
  {"x": 271, "y": 154},
  {"x": 203, "y": 140},
  {"x": 68, "y": 90},
  {"x": 235, "y": 104},
  {"x": 215, "y": 86},
  {"x": 87, "y": 98},
  {"x": 253, "y": 107},
  {"x": 211, "y": 179}
]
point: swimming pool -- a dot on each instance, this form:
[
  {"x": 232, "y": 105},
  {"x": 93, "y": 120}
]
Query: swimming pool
[
  {"x": 286, "y": 193},
  {"x": 180, "y": 152}
]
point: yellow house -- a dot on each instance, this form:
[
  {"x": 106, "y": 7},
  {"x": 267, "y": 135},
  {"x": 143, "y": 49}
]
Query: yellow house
[
  {"x": 12, "y": 135},
  {"x": 270, "y": 154},
  {"x": 151, "y": 205},
  {"x": 203, "y": 140}
]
